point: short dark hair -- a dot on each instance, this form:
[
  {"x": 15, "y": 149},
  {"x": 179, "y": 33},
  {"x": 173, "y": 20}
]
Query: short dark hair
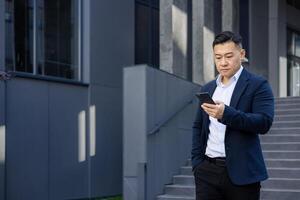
[{"x": 227, "y": 36}]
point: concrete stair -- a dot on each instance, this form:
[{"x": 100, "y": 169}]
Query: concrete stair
[{"x": 281, "y": 149}]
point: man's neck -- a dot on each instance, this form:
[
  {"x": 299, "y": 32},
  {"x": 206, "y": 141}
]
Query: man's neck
[{"x": 225, "y": 80}]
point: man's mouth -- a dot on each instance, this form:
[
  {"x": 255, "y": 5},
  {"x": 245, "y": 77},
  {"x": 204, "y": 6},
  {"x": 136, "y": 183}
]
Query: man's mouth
[{"x": 224, "y": 70}]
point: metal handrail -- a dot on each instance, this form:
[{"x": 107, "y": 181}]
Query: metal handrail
[
  {"x": 5, "y": 76},
  {"x": 167, "y": 119}
]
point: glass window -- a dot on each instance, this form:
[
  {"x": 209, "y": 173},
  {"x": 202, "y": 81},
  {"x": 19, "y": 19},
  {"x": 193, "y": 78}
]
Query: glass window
[
  {"x": 19, "y": 35},
  {"x": 294, "y": 3},
  {"x": 293, "y": 50},
  {"x": 142, "y": 34},
  {"x": 297, "y": 45},
  {"x": 43, "y": 37},
  {"x": 290, "y": 45},
  {"x": 294, "y": 77},
  {"x": 147, "y": 32},
  {"x": 290, "y": 2}
]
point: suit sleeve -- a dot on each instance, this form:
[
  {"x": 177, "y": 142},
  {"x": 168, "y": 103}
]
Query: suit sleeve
[
  {"x": 196, "y": 143},
  {"x": 260, "y": 119}
]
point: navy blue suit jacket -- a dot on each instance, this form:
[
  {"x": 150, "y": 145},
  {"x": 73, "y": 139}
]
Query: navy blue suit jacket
[{"x": 250, "y": 113}]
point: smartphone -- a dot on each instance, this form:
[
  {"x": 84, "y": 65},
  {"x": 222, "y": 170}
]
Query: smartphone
[{"x": 204, "y": 97}]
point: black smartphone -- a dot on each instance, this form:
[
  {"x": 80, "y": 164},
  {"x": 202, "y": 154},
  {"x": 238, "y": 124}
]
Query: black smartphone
[{"x": 204, "y": 97}]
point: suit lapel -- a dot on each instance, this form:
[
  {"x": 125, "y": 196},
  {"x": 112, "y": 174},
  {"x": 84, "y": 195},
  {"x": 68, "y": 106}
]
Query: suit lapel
[
  {"x": 239, "y": 88},
  {"x": 212, "y": 88}
]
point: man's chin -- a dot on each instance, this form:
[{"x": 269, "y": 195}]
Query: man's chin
[{"x": 225, "y": 74}]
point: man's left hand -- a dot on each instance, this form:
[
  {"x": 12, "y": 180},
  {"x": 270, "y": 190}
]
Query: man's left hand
[{"x": 215, "y": 111}]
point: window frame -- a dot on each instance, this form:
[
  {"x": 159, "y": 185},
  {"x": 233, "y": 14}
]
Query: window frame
[{"x": 78, "y": 76}]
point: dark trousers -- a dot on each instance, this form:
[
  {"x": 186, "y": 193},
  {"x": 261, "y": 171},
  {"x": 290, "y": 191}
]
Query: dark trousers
[{"x": 212, "y": 183}]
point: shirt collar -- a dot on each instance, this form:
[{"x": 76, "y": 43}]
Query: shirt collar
[{"x": 235, "y": 77}]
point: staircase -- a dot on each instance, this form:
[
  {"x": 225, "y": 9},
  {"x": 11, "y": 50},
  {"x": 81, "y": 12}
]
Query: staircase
[{"x": 281, "y": 149}]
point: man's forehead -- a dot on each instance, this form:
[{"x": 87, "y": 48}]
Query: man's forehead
[
  {"x": 225, "y": 48},
  {"x": 224, "y": 53}
]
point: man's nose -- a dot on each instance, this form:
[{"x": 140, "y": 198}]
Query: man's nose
[{"x": 223, "y": 61}]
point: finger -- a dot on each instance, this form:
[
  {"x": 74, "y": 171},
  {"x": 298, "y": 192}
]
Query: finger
[
  {"x": 211, "y": 106},
  {"x": 209, "y": 112},
  {"x": 206, "y": 109}
]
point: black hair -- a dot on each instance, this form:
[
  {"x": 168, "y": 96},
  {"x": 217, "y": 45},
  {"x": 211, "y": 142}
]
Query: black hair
[{"x": 227, "y": 36}]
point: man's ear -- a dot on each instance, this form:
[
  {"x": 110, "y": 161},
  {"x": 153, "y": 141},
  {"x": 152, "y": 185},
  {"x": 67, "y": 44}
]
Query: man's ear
[{"x": 243, "y": 53}]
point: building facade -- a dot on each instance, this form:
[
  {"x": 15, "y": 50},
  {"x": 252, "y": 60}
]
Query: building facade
[{"x": 61, "y": 114}]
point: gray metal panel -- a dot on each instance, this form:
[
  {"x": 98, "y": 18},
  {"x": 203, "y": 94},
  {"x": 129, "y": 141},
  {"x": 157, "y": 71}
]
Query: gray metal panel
[
  {"x": 106, "y": 165},
  {"x": 165, "y": 94},
  {"x": 27, "y": 139},
  {"x": 134, "y": 119},
  {"x": 2, "y": 101},
  {"x": 68, "y": 176},
  {"x": 2, "y": 139},
  {"x": 112, "y": 36},
  {"x": 130, "y": 188},
  {"x": 134, "y": 128}
]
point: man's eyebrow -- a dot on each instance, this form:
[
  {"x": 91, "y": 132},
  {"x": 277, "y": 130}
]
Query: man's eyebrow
[{"x": 218, "y": 54}]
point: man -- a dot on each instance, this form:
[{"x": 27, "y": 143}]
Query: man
[{"x": 226, "y": 154}]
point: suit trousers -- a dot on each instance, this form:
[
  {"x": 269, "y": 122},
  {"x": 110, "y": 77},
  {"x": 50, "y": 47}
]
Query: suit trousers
[{"x": 213, "y": 183}]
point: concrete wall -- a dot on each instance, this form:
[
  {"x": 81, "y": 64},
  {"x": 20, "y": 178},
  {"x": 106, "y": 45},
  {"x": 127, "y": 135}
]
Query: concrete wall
[
  {"x": 282, "y": 72},
  {"x": 203, "y": 34},
  {"x": 230, "y": 15},
  {"x": 150, "y": 97},
  {"x": 273, "y": 45},
  {"x": 174, "y": 37}
]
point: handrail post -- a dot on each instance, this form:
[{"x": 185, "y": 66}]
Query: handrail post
[{"x": 142, "y": 181}]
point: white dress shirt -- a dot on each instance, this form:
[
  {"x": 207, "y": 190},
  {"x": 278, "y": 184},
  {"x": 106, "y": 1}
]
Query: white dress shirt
[{"x": 215, "y": 144}]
